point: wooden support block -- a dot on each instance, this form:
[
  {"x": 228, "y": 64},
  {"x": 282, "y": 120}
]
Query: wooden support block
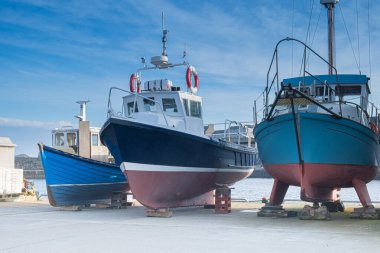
[
  {"x": 71, "y": 208},
  {"x": 162, "y": 213},
  {"x": 102, "y": 206}
]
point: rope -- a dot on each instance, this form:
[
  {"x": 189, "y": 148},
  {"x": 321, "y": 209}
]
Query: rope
[
  {"x": 349, "y": 38},
  {"x": 317, "y": 25},
  {"x": 292, "y": 36},
  {"x": 308, "y": 27},
  {"x": 357, "y": 31},
  {"x": 308, "y": 30},
  {"x": 369, "y": 46}
]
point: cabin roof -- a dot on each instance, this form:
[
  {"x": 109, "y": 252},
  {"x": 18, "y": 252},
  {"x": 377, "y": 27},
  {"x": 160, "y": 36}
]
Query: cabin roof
[{"x": 343, "y": 79}]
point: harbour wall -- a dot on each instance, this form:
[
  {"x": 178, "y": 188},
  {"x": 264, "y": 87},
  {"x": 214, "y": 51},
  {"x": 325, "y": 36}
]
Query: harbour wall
[{"x": 32, "y": 167}]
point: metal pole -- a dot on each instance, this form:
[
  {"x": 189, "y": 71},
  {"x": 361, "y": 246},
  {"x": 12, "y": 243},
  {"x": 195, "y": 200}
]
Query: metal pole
[{"x": 330, "y": 4}]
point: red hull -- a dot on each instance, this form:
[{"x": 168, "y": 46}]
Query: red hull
[
  {"x": 163, "y": 189},
  {"x": 318, "y": 181}
]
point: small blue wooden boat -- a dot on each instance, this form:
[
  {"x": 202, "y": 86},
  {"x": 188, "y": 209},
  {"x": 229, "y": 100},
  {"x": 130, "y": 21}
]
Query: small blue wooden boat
[{"x": 75, "y": 180}]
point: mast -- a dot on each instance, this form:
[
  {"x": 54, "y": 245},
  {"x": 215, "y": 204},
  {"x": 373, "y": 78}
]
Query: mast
[
  {"x": 162, "y": 60},
  {"x": 330, "y": 4}
]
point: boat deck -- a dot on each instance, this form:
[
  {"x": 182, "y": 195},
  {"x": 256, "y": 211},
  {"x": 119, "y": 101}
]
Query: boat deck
[{"x": 35, "y": 226}]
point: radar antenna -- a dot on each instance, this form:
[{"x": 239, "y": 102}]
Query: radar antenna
[{"x": 162, "y": 61}]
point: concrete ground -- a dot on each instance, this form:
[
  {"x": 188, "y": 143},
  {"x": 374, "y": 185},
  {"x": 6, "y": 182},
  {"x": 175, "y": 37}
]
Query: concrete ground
[{"x": 37, "y": 227}]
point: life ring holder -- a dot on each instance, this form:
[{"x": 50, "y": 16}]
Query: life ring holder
[
  {"x": 135, "y": 81},
  {"x": 191, "y": 71}
]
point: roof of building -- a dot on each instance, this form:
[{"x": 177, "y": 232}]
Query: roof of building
[{"x": 6, "y": 142}]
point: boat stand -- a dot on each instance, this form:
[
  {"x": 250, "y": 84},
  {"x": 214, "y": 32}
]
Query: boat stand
[
  {"x": 161, "y": 213},
  {"x": 222, "y": 200},
  {"x": 365, "y": 213},
  {"x": 315, "y": 212},
  {"x": 71, "y": 208},
  {"x": 277, "y": 211},
  {"x": 274, "y": 207},
  {"x": 368, "y": 211},
  {"x": 119, "y": 200}
]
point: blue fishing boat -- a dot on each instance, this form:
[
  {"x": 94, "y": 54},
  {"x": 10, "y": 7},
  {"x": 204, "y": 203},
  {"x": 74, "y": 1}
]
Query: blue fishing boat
[
  {"x": 319, "y": 132},
  {"x": 74, "y": 180}
]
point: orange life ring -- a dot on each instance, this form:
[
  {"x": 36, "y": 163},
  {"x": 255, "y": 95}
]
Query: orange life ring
[
  {"x": 193, "y": 71},
  {"x": 132, "y": 83},
  {"x": 374, "y": 127}
]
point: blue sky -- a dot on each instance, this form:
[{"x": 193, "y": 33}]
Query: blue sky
[{"x": 53, "y": 53}]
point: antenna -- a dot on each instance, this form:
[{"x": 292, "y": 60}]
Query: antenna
[
  {"x": 161, "y": 61},
  {"x": 184, "y": 52},
  {"x": 164, "y": 33}
]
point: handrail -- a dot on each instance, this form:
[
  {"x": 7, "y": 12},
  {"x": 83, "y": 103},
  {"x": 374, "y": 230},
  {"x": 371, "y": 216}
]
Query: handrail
[
  {"x": 110, "y": 109},
  {"x": 276, "y": 75},
  {"x": 230, "y": 122}
]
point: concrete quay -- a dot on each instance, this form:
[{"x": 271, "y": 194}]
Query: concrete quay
[{"x": 35, "y": 226}]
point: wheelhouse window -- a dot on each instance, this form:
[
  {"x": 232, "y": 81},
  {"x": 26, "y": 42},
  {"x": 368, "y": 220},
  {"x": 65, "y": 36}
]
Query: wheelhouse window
[
  {"x": 305, "y": 90},
  {"x": 71, "y": 139},
  {"x": 186, "y": 105},
  {"x": 195, "y": 109},
  {"x": 95, "y": 139},
  {"x": 348, "y": 90},
  {"x": 59, "y": 139},
  {"x": 130, "y": 108},
  {"x": 149, "y": 105},
  {"x": 169, "y": 105}
]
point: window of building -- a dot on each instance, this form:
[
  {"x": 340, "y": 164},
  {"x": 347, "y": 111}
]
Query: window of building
[
  {"x": 169, "y": 105},
  {"x": 149, "y": 105},
  {"x": 195, "y": 109},
  {"x": 186, "y": 105},
  {"x": 130, "y": 108},
  {"x": 59, "y": 139},
  {"x": 95, "y": 139},
  {"x": 71, "y": 139}
]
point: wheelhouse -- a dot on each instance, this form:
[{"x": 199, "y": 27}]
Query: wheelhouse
[{"x": 165, "y": 106}]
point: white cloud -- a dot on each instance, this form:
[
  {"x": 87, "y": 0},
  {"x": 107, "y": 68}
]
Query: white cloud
[{"x": 12, "y": 122}]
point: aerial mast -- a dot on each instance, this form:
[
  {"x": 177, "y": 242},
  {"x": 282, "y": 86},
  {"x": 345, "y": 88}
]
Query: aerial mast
[
  {"x": 330, "y": 4},
  {"x": 162, "y": 61}
]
